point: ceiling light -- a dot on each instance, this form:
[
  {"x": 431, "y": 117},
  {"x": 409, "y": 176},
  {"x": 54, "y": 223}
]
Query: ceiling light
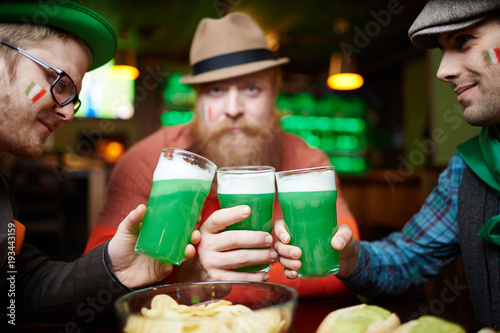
[
  {"x": 343, "y": 74},
  {"x": 125, "y": 67}
]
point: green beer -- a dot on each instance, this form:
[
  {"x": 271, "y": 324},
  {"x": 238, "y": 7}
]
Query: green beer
[
  {"x": 170, "y": 202},
  {"x": 181, "y": 183},
  {"x": 259, "y": 220},
  {"x": 308, "y": 200},
  {"x": 252, "y": 186}
]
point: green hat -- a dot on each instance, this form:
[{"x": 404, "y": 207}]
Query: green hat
[{"x": 68, "y": 15}]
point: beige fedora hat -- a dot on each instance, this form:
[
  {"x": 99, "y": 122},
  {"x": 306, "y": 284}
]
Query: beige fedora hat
[{"x": 231, "y": 46}]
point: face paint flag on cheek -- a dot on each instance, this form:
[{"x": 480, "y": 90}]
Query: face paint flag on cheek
[
  {"x": 207, "y": 112},
  {"x": 34, "y": 92},
  {"x": 492, "y": 56}
]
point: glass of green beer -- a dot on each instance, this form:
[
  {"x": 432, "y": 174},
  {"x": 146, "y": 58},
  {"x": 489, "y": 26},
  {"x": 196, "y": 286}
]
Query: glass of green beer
[
  {"x": 181, "y": 183},
  {"x": 308, "y": 199},
  {"x": 253, "y": 186}
]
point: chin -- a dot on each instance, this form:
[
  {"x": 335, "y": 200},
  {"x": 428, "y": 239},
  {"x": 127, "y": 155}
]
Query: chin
[
  {"x": 234, "y": 141},
  {"x": 34, "y": 153},
  {"x": 480, "y": 121},
  {"x": 30, "y": 150},
  {"x": 230, "y": 148}
]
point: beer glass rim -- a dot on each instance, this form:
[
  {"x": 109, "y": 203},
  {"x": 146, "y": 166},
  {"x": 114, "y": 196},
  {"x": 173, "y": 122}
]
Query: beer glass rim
[
  {"x": 191, "y": 157},
  {"x": 246, "y": 169},
  {"x": 304, "y": 170}
]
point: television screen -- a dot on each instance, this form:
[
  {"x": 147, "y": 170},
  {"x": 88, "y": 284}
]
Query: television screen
[{"x": 105, "y": 97}]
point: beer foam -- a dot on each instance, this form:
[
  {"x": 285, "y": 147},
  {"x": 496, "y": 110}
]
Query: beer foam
[
  {"x": 307, "y": 182},
  {"x": 178, "y": 168},
  {"x": 251, "y": 183}
]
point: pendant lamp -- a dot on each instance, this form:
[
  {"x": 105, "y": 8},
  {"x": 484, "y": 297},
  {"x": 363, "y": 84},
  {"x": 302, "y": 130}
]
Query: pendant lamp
[
  {"x": 343, "y": 73},
  {"x": 125, "y": 67}
]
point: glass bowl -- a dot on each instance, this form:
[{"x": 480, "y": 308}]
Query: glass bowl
[{"x": 272, "y": 308}]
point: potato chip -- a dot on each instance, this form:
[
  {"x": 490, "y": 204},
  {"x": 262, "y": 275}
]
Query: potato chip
[
  {"x": 220, "y": 302},
  {"x": 163, "y": 301},
  {"x": 135, "y": 324},
  {"x": 219, "y": 316}
]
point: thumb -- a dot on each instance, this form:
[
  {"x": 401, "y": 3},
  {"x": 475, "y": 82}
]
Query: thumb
[
  {"x": 281, "y": 232},
  {"x": 130, "y": 223},
  {"x": 165, "y": 270}
]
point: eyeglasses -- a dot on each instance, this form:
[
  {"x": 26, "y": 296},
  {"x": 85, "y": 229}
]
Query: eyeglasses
[{"x": 63, "y": 89}]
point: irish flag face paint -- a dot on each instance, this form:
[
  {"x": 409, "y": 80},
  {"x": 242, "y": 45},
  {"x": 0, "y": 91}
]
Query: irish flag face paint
[
  {"x": 34, "y": 91},
  {"x": 207, "y": 112},
  {"x": 492, "y": 56}
]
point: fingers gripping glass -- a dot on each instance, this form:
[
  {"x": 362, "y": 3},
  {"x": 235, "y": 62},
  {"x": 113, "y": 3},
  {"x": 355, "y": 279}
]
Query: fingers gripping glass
[{"x": 63, "y": 89}]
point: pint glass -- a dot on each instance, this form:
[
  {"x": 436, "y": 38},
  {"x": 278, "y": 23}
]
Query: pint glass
[
  {"x": 308, "y": 200},
  {"x": 181, "y": 183},
  {"x": 252, "y": 186}
]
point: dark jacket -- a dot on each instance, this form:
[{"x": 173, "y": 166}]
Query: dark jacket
[
  {"x": 38, "y": 288},
  {"x": 477, "y": 203}
]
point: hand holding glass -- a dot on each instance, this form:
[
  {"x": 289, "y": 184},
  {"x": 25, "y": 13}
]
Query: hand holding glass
[
  {"x": 181, "y": 183},
  {"x": 252, "y": 186},
  {"x": 308, "y": 200}
]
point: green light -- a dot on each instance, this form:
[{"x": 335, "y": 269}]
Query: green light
[
  {"x": 313, "y": 140},
  {"x": 298, "y": 123},
  {"x": 305, "y": 102},
  {"x": 328, "y": 144},
  {"x": 335, "y": 124},
  {"x": 172, "y": 118},
  {"x": 177, "y": 93},
  {"x": 347, "y": 142},
  {"x": 331, "y": 105},
  {"x": 351, "y": 165}
]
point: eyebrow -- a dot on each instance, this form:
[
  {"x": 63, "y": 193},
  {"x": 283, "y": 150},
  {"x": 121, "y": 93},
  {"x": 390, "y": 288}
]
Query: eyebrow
[
  {"x": 252, "y": 80},
  {"x": 451, "y": 35}
]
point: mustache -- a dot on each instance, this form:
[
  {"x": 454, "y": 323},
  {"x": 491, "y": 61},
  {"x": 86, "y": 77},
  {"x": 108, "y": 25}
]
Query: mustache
[
  {"x": 47, "y": 117},
  {"x": 254, "y": 144},
  {"x": 227, "y": 125},
  {"x": 464, "y": 80}
]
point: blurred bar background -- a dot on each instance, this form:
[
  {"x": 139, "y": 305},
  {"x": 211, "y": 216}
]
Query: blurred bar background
[{"x": 388, "y": 139}]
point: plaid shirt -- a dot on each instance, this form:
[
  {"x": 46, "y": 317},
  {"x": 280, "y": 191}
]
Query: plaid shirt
[{"x": 427, "y": 243}]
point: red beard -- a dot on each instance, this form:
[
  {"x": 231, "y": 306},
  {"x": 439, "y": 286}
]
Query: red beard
[{"x": 249, "y": 145}]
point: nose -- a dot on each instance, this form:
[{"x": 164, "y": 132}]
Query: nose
[
  {"x": 234, "y": 107},
  {"x": 449, "y": 68},
  {"x": 65, "y": 113}
]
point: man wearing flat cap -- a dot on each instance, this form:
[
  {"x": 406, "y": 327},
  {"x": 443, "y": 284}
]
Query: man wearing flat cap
[
  {"x": 237, "y": 79},
  {"x": 41, "y": 72},
  {"x": 461, "y": 216}
]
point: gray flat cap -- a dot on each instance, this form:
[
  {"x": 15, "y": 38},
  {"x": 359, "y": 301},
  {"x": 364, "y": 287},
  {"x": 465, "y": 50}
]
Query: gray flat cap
[{"x": 440, "y": 16}]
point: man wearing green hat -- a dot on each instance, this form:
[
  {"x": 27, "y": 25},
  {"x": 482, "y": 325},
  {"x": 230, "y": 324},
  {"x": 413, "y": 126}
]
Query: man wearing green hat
[
  {"x": 461, "y": 215},
  {"x": 45, "y": 49}
]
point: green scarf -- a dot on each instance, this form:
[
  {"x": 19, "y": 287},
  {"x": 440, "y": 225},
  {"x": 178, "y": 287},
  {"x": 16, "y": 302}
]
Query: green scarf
[{"x": 482, "y": 155}]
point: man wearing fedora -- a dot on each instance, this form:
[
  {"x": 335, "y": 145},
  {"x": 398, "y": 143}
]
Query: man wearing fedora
[
  {"x": 41, "y": 72},
  {"x": 237, "y": 80},
  {"x": 461, "y": 216}
]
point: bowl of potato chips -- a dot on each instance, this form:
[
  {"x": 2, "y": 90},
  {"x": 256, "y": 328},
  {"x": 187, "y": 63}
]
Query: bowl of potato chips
[{"x": 208, "y": 307}]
